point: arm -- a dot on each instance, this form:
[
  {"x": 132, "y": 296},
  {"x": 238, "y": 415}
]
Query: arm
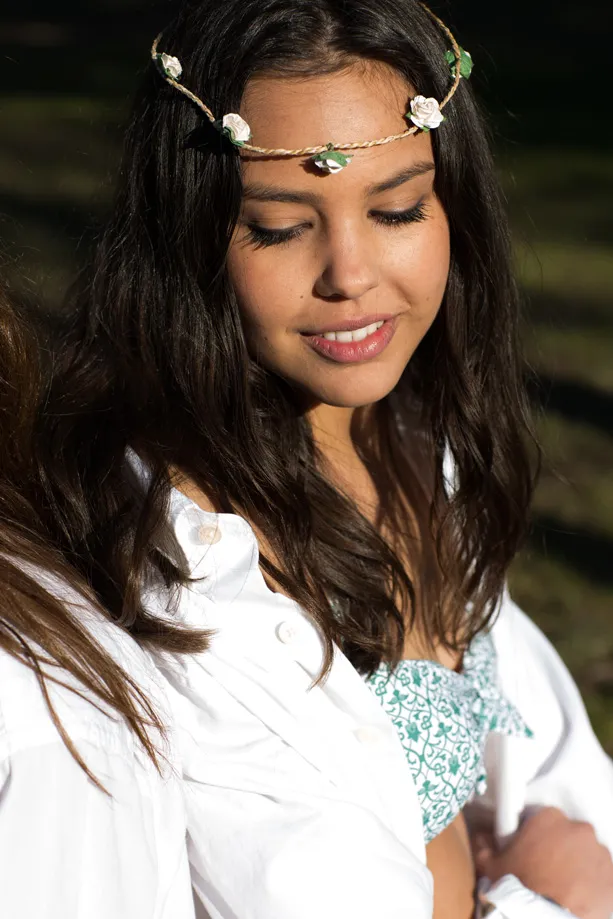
[
  {"x": 564, "y": 765},
  {"x": 68, "y": 851}
]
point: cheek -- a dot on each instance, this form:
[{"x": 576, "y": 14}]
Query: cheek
[
  {"x": 422, "y": 267},
  {"x": 268, "y": 290}
]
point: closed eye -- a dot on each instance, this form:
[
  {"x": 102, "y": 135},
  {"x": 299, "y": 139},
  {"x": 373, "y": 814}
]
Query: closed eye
[
  {"x": 394, "y": 218},
  {"x": 262, "y": 237}
]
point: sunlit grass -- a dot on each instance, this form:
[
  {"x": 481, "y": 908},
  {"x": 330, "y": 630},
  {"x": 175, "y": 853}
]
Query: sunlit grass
[
  {"x": 583, "y": 354},
  {"x": 57, "y": 148},
  {"x": 569, "y": 269},
  {"x": 576, "y": 484}
]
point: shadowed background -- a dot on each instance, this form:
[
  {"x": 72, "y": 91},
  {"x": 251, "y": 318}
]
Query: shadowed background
[{"x": 67, "y": 70}]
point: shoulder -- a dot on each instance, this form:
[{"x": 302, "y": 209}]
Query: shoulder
[{"x": 26, "y": 720}]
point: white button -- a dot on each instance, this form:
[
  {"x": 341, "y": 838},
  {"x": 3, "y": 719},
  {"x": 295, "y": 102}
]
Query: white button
[
  {"x": 286, "y": 632},
  {"x": 370, "y": 736},
  {"x": 208, "y": 534}
]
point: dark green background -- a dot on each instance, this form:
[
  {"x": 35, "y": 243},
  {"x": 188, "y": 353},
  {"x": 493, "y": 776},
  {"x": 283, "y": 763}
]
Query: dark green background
[{"x": 544, "y": 72}]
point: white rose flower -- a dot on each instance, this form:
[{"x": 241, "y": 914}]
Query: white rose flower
[
  {"x": 331, "y": 165},
  {"x": 239, "y": 130},
  {"x": 171, "y": 66},
  {"x": 426, "y": 113},
  {"x": 331, "y": 161}
]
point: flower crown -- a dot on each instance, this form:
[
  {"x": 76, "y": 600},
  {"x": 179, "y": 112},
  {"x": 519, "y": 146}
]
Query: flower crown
[{"x": 425, "y": 113}]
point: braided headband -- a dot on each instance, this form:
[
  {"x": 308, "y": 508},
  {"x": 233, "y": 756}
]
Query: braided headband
[{"x": 425, "y": 113}]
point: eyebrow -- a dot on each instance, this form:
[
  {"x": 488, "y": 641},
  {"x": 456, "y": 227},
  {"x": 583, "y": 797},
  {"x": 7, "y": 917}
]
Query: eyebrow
[{"x": 257, "y": 191}]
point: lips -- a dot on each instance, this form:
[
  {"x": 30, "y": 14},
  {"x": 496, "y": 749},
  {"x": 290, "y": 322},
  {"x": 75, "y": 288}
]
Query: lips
[{"x": 353, "y": 352}]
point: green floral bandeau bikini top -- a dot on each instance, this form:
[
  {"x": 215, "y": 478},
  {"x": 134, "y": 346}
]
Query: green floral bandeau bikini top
[{"x": 443, "y": 719}]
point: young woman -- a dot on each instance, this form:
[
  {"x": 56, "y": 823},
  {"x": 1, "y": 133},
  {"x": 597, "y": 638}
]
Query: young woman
[
  {"x": 290, "y": 412},
  {"x": 92, "y": 822}
]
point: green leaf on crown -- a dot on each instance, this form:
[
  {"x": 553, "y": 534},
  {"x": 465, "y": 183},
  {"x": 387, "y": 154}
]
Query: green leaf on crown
[{"x": 466, "y": 63}]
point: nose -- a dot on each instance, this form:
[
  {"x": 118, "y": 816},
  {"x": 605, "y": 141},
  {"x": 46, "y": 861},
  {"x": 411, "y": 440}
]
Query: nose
[{"x": 350, "y": 268}]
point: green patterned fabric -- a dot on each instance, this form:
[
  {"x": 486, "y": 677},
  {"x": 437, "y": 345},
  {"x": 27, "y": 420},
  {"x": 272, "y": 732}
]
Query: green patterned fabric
[{"x": 443, "y": 719}]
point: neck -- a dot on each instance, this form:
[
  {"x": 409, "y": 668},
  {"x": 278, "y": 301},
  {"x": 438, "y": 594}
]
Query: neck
[
  {"x": 337, "y": 430},
  {"x": 331, "y": 426}
]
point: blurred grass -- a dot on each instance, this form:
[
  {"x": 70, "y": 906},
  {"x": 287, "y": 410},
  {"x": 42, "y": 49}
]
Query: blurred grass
[
  {"x": 560, "y": 206},
  {"x": 57, "y": 157}
]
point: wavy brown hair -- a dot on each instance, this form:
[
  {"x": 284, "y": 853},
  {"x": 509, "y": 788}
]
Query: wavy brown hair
[
  {"x": 41, "y": 591},
  {"x": 156, "y": 360}
]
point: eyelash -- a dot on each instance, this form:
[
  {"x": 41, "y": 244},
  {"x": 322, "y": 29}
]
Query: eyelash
[{"x": 262, "y": 238}]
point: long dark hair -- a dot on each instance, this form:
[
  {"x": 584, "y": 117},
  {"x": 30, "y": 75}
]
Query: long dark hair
[
  {"x": 41, "y": 621},
  {"x": 157, "y": 361}
]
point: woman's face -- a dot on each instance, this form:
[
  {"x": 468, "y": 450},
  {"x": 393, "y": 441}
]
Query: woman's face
[{"x": 315, "y": 253}]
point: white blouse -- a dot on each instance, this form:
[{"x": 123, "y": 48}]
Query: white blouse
[
  {"x": 67, "y": 850},
  {"x": 300, "y": 801}
]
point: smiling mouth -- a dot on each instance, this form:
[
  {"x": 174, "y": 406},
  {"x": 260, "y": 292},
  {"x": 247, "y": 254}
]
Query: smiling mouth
[{"x": 349, "y": 346}]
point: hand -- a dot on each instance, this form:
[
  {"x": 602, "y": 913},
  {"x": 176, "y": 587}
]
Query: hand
[{"x": 555, "y": 857}]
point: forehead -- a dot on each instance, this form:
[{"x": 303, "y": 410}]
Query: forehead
[{"x": 362, "y": 102}]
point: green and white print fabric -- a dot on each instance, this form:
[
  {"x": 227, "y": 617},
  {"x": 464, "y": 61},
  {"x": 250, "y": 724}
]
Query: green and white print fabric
[{"x": 443, "y": 719}]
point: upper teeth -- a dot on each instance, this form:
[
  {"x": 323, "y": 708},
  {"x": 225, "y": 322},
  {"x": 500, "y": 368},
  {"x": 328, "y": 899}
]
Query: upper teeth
[{"x": 356, "y": 335}]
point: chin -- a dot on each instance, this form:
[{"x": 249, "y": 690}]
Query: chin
[{"x": 356, "y": 389}]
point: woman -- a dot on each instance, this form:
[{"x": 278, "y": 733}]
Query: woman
[
  {"x": 92, "y": 822},
  {"x": 291, "y": 413}
]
